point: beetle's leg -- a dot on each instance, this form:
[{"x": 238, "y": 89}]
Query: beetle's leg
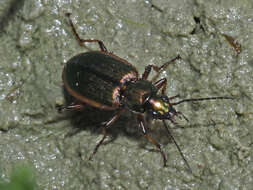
[
  {"x": 144, "y": 131},
  {"x": 82, "y": 41},
  {"x": 156, "y": 68},
  {"x": 105, "y": 126},
  {"x": 146, "y": 72},
  {"x": 70, "y": 107},
  {"x": 159, "y": 69},
  {"x": 161, "y": 83},
  {"x": 175, "y": 142}
]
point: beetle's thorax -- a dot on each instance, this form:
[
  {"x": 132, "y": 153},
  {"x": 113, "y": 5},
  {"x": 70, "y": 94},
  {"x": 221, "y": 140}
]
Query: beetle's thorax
[{"x": 136, "y": 93}]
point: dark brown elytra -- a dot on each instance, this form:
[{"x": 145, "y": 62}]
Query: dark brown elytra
[{"x": 126, "y": 89}]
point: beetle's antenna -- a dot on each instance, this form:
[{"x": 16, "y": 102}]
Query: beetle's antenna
[
  {"x": 199, "y": 99},
  {"x": 173, "y": 139}
]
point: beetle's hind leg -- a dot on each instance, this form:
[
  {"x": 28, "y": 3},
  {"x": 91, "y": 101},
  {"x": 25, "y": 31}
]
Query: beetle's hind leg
[{"x": 82, "y": 41}]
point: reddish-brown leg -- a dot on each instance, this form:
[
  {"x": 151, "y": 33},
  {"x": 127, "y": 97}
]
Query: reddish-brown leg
[
  {"x": 156, "y": 68},
  {"x": 105, "y": 126},
  {"x": 73, "y": 106},
  {"x": 161, "y": 83},
  {"x": 82, "y": 41},
  {"x": 144, "y": 131},
  {"x": 175, "y": 142}
]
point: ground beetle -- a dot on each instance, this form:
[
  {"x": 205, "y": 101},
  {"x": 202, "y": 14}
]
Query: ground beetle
[{"x": 103, "y": 80}]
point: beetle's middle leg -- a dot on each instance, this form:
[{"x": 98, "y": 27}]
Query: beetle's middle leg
[
  {"x": 82, "y": 41},
  {"x": 140, "y": 118},
  {"x": 105, "y": 126},
  {"x": 156, "y": 68}
]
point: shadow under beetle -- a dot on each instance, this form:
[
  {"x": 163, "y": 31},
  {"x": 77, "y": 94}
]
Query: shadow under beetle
[{"x": 108, "y": 82}]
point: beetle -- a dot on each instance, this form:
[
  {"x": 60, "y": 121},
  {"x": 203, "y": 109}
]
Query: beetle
[{"x": 103, "y": 80}]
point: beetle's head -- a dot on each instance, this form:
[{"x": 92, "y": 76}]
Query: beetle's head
[{"x": 161, "y": 108}]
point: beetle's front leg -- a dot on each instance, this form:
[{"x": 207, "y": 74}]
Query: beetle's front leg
[
  {"x": 156, "y": 68},
  {"x": 161, "y": 83},
  {"x": 141, "y": 121},
  {"x": 105, "y": 126}
]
